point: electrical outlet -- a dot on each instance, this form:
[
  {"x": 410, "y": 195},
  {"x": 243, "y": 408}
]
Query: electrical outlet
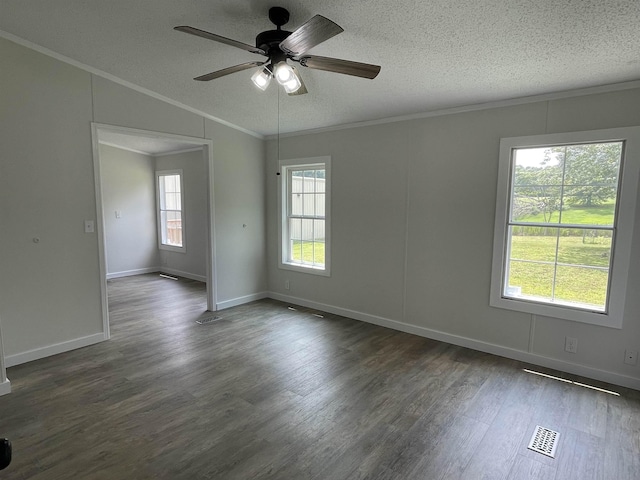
[
  {"x": 630, "y": 357},
  {"x": 570, "y": 344},
  {"x": 287, "y": 285}
]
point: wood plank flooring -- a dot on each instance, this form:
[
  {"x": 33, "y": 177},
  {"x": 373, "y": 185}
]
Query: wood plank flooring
[{"x": 269, "y": 392}]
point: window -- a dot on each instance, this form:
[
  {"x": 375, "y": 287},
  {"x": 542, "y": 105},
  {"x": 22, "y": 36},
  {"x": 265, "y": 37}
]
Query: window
[
  {"x": 305, "y": 207},
  {"x": 170, "y": 210},
  {"x": 564, "y": 221}
]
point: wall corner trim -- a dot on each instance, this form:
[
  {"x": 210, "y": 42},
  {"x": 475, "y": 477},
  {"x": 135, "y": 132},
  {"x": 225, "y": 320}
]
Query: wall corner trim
[
  {"x": 56, "y": 348},
  {"x": 5, "y": 387},
  {"x": 234, "y": 302},
  {"x": 534, "y": 359}
]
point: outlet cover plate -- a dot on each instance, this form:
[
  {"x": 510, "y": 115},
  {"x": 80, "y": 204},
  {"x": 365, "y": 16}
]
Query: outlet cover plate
[
  {"x": 571, "y": 344},
  {"x": 630, "y": 357}
]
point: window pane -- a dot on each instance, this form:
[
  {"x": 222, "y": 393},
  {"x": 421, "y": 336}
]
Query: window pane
[
  {"x": 318, "y": 253},
  {"x": 320, "y": 205},
  {"x": 308, "y": 204},
  {"x": 580, "y": 206},
  {"x": 529, "y": 280},
  {"x": 296, "y": 181},
  {"x": 318, "y": 230},
  {"x": 161, "y": 193},
  {"x": 536, "y": 204},
  {"x": 296, "y": 204},
  {"x": 296, "y": 251},
  {"x": 170, "y": 182},
  {"x": 320, "y": 181},
  {"x": 305, "y": 196},
  {"x": 163, "y": 227},
  {"x": 174, "y": 228},
  {"x": 172, "y": 201},
  {"x": 307, "y": 229},
  {"x": 533, "y": 244},
  {"x": 585, "y": 247},
  {"x": 309, "y": 176},
  {"x": 538, "y": 166},
  {"x": 583, "y": 286},
  {"x": 295, "y": 229}
]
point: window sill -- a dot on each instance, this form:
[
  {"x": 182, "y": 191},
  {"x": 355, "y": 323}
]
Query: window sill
[
  {"x": 611, "y": 319},
  {"x": 324, "y": 272},
  {"x": 170, "y": 248}
]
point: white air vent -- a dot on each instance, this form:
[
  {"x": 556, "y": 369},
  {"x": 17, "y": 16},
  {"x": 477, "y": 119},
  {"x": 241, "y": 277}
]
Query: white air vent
[
  {"x": 544, "y": 441},
  {"x": 207, "y": 321}
]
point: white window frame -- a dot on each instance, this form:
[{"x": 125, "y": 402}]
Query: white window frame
[
  {"x": 283, "y": 202},
  {"x": 162, "y": 246},
  {"x": 623, "y": 227}
]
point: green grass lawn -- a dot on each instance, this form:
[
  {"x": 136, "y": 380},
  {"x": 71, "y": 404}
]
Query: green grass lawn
[
  {"x": 573, "y": 283},
  {"x": 600, "y": 215},
  {"x": 308, "y": 252}
]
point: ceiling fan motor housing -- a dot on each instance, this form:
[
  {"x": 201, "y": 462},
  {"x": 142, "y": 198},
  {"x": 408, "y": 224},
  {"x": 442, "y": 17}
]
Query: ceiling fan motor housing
[{"x": 269, "y": 41}]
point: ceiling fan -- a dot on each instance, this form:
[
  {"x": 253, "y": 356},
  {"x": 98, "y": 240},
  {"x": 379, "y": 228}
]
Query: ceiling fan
[{"x": 281, "y": 45}]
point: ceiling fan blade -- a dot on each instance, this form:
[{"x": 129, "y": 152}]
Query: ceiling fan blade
[
  {"x": 303, "y": 89},
  {"x": 347, "y": 67},
  {"x": 217, "y": 38},
  {"x": 312, "y": 33},
  {"x": 228, "y": 71}
]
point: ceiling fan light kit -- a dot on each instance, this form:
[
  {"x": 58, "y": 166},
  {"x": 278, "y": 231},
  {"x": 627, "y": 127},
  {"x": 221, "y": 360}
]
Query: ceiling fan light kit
[
  {"x": 261, "y": 78},
  {"x": 281, "y": 45}
]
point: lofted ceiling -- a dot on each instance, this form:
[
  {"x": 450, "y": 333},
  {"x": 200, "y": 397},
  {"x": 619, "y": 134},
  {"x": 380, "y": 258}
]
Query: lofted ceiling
[{"x": 434, "y": 54}]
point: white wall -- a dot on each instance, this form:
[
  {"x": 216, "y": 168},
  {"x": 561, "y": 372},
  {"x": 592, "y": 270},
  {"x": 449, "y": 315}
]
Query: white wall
[
  {"x": 193, "y": 262},
  {"x": 412, "y": 238},
  {"x": 50, "y": 290},
  {"x": 240, "y": 213},
  {"x": 128, "y": 187}
]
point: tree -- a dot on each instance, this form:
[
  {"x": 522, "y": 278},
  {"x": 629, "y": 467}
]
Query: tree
[
  {"x": 590, "y": 172},
  {"x": 538, "y": 188},
  {"x": 580, "y": 175}
]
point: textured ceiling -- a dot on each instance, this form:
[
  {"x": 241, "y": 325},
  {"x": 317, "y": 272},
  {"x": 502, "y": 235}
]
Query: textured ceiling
[{"x": 434, "y": 55}]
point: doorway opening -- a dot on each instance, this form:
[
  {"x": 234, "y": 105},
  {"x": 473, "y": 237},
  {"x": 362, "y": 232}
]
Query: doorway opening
[{"x": 160, "y": 149}]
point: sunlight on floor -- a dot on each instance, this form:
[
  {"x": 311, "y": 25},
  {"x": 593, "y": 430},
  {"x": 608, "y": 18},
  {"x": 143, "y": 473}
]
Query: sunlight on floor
[{"x": 571, "y": 381}]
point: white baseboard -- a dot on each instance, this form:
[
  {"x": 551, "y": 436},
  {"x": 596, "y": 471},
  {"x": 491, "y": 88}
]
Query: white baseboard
[
  {"x": 234, "y": 302},
  {"x": 179, "y": 273},
  {"x": 130, "y": 273},
  {"x": 576, "y": 369},
  {"x": 38, "y": 353},
  {"x": 5, "y": 387}
]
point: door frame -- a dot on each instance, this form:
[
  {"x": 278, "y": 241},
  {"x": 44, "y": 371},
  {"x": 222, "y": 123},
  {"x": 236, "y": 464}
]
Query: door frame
[{"x": 207, "y": 151}]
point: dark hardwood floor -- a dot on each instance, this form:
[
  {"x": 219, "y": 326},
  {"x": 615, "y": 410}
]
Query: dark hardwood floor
[{"x": 269, "y": 392}]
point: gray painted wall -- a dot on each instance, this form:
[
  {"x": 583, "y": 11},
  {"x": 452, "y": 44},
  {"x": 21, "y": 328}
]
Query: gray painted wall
[
  {"x": 239, "y": 200},
  {"x": 412, "y": 232},
  {"x": 50, "y": 290},
  {"x": 194, "y": 179},
  {"x": 128, "y": 186}
]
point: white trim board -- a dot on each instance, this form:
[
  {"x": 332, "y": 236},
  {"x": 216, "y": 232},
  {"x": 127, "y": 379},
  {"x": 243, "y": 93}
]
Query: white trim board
[
  {"x": 180, "y": 273},
  {"x": 234, "y": 302},
  {"x": 55, "y": 349},
  {"x": 5, "y": 387},
  {"x": 568, "y": 367},
  {"x": 137, "y": 271}
]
